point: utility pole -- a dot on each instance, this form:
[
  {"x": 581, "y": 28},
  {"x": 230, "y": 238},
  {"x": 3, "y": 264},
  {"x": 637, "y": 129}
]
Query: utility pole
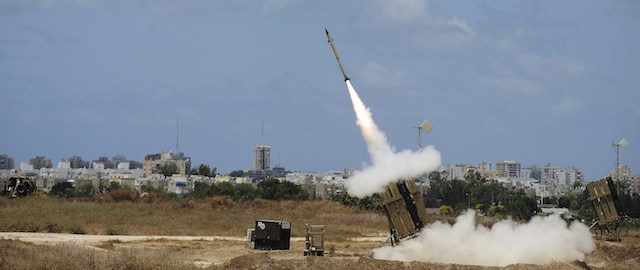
[
  {"x": 178, "y": 138},
  {"x": 624, "y": 143}
]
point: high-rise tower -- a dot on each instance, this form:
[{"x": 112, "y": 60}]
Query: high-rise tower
[{"x": 262, "y": 157}]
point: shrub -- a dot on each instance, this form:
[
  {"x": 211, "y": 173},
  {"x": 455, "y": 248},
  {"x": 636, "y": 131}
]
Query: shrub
[
  {"x": 219, "y": 201},
  {"x": 121, "y": 195},
  {"x": 113, "y": 231},
  {"x": 186, "y": 203},
  {"x": 76, "y": 229},
  {"x": 26, "y": 227},
  {"x": 445, "y": 210},
  {"x": 53, "y": 228}
]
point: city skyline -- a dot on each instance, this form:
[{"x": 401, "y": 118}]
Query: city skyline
[
  {"x": 534, "y": 82},
  {"x": 513, "y": 167}
]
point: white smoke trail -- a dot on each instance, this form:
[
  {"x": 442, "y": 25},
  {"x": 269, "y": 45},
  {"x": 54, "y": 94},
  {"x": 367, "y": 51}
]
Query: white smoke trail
[
  {"x": 541, "y": 241},
  {"x": 377, "y": 144},
  {"x": 387, "y": 166}
]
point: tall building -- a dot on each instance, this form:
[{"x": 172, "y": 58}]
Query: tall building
[
  {"x": 78, "y": 163},
  {"x": 153, "y": 163},
  {"x": 509, "y": 169},
  {"x": 64, "y": 164},
  {"x": 635, "y": 185},
  {"x": 40, "y": 162},
  {"x": 262, "y": 157},
  {"x": 484, "y": 167},
  {"x": 6, "y": 162},
  {"x": 108, "y": 164}
]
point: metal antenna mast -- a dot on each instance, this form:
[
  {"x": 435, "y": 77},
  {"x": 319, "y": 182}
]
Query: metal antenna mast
[
  {"x": 426, "y": 126},
  {"x": 623, "y": 143},
  {"x": 177, "y": 138}
]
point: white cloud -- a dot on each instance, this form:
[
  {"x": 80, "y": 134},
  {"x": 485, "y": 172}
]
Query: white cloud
[
  {"x": 515, "y": 85},
  {"x": 462, "y": 25}
]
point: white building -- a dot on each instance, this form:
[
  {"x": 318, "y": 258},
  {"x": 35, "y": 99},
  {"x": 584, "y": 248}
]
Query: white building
[{"x": 64, "y": 164}]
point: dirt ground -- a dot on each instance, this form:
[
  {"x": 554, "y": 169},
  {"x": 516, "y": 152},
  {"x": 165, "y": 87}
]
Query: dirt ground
[{"x": 234, "y": 253}]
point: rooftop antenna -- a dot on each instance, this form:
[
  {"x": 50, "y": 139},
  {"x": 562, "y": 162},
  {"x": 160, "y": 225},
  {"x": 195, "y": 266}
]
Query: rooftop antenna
[
  {"x": 624, "y": 144},
  {"x": 178, "y": 137},
  {"x": 425, "y": 127}
]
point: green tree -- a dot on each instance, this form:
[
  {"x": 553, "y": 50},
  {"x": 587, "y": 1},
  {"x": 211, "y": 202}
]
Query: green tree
[
  {"x": 238, "y": 173},
  {"x": 268, "y": 189},
  {"x": 520, "y": 206},
  {"x": 85, "y": 190},
  {"x": 272, "y": 189},
  {"x": 204, "y": 170},
  {"x": 477, "y": 190},
  {"x": 224, "y": 189},
  {"x": 200, "y": 189},
  {"x": 564, "y": 202},
  {"x": 168, "y": 169},
  {"x": 245, "y": 192},
  {"x": 62, "y": 189},
  {"x": 113, "y": 185}
]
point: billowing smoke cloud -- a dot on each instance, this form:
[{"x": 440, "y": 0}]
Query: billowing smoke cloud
[
  {"x": 541, "y": 241},
  {"x": 388, "y": 166}
]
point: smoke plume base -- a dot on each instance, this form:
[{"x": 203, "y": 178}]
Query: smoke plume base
[{"x": 541, "y": 241}]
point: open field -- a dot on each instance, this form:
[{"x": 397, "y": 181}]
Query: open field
[
  {"x": 209, "y": 216},
  {"x": 207, "y": 234}
]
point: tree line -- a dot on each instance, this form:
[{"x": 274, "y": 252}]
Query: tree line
[{"x": 269, "y": 189}]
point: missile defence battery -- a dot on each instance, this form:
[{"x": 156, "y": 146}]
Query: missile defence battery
[
  {"x": 605, "y": 203},
  {"x": 404, "y": 206}
]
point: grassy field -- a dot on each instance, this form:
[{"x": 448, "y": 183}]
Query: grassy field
[
  {"x": 202, "y": 217},
  {"x": 219, "y": 216},
  {"x": 18, "y": 255}
]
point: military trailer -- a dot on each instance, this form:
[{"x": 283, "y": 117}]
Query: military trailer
[
  {"x": 314, "y": 240},
  {"x": 605, "y": 204},
  {"x": 19, "y": 186},
  {"x": 272, "y": 235},
  {"x": 405, "y": 210}
]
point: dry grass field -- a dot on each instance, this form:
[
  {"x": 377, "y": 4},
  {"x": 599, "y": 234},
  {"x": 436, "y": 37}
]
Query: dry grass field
[
  {"x": 64, "y": 234},
  {"x": 209, "y": 216}
]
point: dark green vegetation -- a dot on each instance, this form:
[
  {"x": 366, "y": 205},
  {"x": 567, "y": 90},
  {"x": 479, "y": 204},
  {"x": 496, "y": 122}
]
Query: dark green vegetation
[
  {"x": 492, "y": 199},
  {"x": 477, "y": 192},
  {"x": 204, "y": 170},
  {"x": 268, "y": 189}
]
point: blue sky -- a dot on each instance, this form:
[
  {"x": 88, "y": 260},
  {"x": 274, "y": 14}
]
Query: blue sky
[{"x": 535, "y": 82}]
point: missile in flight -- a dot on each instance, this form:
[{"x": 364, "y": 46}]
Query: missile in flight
[{"x": 333, "y": 47}]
